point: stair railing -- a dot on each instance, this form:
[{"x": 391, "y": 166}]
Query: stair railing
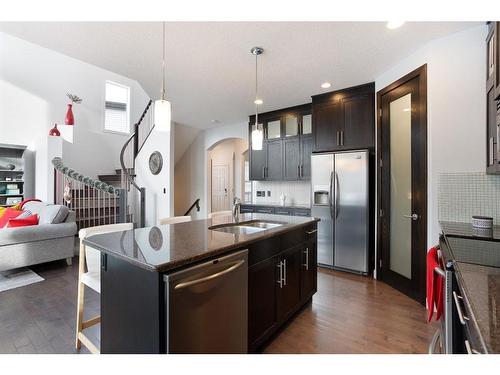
[
  {"x": 138, "y": 137},
  {"x": 94, "y": 202},
  {"x": 195, "y": 204}
]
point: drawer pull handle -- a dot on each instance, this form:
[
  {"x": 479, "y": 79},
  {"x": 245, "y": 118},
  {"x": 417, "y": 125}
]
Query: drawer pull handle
[
  {"x": 311, "y": 231},
  {"x": 461, "y": 316},
  {"x": 306, "y": 265}
]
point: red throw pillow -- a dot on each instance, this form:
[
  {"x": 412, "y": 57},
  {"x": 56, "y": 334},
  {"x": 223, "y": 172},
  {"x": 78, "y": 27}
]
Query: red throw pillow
[
  {"x": 24, "y": 222},
  {"x": 8, "y": 214}
]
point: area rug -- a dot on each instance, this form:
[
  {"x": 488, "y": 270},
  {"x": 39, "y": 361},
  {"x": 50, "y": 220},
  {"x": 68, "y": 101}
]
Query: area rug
[{"x": 18, "y": 278}]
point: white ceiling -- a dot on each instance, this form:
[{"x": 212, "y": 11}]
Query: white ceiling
[{"x": 210, "y": 71}]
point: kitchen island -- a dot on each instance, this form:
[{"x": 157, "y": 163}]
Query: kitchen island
[{"x": 205, "y": 286}]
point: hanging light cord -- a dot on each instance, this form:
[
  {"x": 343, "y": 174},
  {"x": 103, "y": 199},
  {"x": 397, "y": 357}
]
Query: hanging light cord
[
  {"x": 163, "y": 65},
  {"x": 256, "y": 87}
]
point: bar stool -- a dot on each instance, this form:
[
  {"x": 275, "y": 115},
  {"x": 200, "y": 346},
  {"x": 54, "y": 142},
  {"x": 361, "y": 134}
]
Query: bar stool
[
  {"x": 175, "y": 219},
  {"x": 211, "y": 215},
  {"x": 91, "y": 278}
]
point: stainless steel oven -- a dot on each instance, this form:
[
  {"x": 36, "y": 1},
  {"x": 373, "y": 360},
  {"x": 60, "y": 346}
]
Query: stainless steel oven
[{"x": 449, "y": 337}]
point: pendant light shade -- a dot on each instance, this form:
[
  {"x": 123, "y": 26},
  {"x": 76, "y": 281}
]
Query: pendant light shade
[
  {"x": 257, "y": 134},
  {"x": 257, "y": 138},
  {"x": 162, "y": 110},
  {"x": 162, "y": 115}
]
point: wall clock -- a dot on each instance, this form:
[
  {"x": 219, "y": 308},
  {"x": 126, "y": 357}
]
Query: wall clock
[{"x": 155, "y": 162}]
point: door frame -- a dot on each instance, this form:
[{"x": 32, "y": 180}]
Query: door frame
[{"x": 420, "y": 258}]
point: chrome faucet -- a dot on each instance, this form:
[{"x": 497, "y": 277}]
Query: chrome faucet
[{"x": 236, "y": 209}]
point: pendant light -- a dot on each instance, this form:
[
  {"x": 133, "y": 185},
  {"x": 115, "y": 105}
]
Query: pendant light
[
  {"x": 162, "y": 110},
  {"x": 257, "y": 134}
]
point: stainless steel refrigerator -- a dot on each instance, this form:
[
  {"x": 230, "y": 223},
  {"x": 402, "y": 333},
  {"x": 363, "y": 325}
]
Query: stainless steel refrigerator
[{"x": 340, "y": 199}]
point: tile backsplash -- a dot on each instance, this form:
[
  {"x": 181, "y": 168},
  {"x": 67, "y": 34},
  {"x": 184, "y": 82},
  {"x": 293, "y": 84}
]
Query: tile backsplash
[
  {"x": 462, "y": 195},
  {"x": 296, "y": 192}
]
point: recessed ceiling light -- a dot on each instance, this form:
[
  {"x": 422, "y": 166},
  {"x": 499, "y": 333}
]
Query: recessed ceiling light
[
  {"x": 394, "y": 24},
  {"x": 258, "y": 101},
  {"x": 326, "y": 85},
  {"x": 214, "y": 121}
]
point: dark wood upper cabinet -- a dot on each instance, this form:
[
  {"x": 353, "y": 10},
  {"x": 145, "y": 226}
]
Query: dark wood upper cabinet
[
  {"x": 306, "y": 147},
  {"x": 258, "y": 161},
  {"x": 287, "y": 146},
  {"x": 344, "y": 119},
  {"x": 358, "y": 122},
  {"x": 274, "y": 169},
  {"x": 291, "y": 158},
  {"x": 327, "y": 125}
]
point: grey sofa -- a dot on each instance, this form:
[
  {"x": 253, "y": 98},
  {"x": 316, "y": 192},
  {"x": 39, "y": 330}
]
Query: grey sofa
[{"x": 52, "y": 239}]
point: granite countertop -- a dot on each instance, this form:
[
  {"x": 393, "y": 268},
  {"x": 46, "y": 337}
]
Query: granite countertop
[
  {"x": 477, "y": 267},
  {"x": 165, "y": 247},
  {"x": 278, "y": 205},
  {"x": 466, "y": 230}
]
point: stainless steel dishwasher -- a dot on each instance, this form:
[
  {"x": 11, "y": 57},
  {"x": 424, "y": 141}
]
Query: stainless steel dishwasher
[{"x": 207, "y": 306}]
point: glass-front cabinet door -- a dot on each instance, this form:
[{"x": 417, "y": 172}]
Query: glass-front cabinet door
[
  {"x": 274, "y": 129},
  {"x": 307, "y": 124},
  {"x": 291, "y": 126}
]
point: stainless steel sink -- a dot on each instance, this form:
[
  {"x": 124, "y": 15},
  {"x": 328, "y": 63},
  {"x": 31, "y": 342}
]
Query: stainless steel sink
[{"x": 246, "y": 227}]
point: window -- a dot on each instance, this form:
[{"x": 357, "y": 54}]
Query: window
[{"x": 116, "y": 108}]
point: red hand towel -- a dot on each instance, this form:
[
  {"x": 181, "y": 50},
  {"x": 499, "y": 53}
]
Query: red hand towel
[{"x": 434, "y": 285}]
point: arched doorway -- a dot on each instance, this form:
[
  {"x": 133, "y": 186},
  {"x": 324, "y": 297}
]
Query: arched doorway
[{"x": 225, "y": 173}]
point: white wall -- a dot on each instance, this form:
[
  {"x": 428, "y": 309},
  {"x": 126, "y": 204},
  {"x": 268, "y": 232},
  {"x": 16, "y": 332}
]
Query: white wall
[
  {"x": 191, "y": 171},
  {"x": 33, "y": 86},
  {"x": 158, "y": 189},
  {"x": 456, "y": 105}
]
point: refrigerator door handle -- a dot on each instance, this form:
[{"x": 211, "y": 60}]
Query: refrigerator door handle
[
  {"x": 331, "y": 195},
  {"x": 337, "y": 195}
]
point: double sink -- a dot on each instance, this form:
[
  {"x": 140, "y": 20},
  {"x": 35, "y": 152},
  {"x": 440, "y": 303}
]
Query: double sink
[{"x": 246, "y": 227}]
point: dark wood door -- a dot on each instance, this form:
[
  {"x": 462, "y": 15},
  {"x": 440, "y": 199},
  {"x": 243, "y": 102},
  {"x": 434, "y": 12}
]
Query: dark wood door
[
  {"x": 289, "y": 292},
  {"x": 291, "y": 158},
  {"x": 306, "y": 147},
  {"x": 309, "y": 269},
  {"x": 357, "y": 113},
  {"x": 403, "y": 183},
  {"x": 258, "y": 160},
  {"x": 327, "y": 126},
  {"x": 262, "y": 296},
  {"x": 274, "y": 157}
]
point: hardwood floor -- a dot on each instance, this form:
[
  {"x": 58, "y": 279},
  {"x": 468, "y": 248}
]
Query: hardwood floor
[
  {"x": 349, "y": 314},
  {"x": 355, "y": 314},
  {"x": 41, "y": 317}
]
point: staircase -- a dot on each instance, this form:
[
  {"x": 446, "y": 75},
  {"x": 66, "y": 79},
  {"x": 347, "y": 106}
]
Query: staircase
[{"x": 113, "y": 198}]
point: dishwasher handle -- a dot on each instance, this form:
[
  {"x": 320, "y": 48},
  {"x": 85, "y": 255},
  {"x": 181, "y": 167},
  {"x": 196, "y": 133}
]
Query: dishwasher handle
[{"x": 209, "y": 277}]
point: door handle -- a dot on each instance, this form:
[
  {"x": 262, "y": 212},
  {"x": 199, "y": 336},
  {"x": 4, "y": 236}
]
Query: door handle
[
  {"x": 263, "y": 172},
  {"x": 338, "y": 138},
  {"x": 341, "y": 137},
  {"x": 306, "y": 265},
  {"x": 414, "y": 217},
  {"x": 210, "y": 277},
  {"x": 298, "y": 170},
  {"x": 331, "y": 195},
  {"x": 337, "y": 195},
  {"x": 280, "y": 281}
]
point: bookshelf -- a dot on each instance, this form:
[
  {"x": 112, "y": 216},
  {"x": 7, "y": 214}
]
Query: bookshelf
[{"x": 11, "y": 174}]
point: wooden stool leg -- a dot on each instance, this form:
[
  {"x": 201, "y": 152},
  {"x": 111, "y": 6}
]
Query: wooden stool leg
[
  {"x": 79, "y": 314},
  {"x": 81, "y": 297}
]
